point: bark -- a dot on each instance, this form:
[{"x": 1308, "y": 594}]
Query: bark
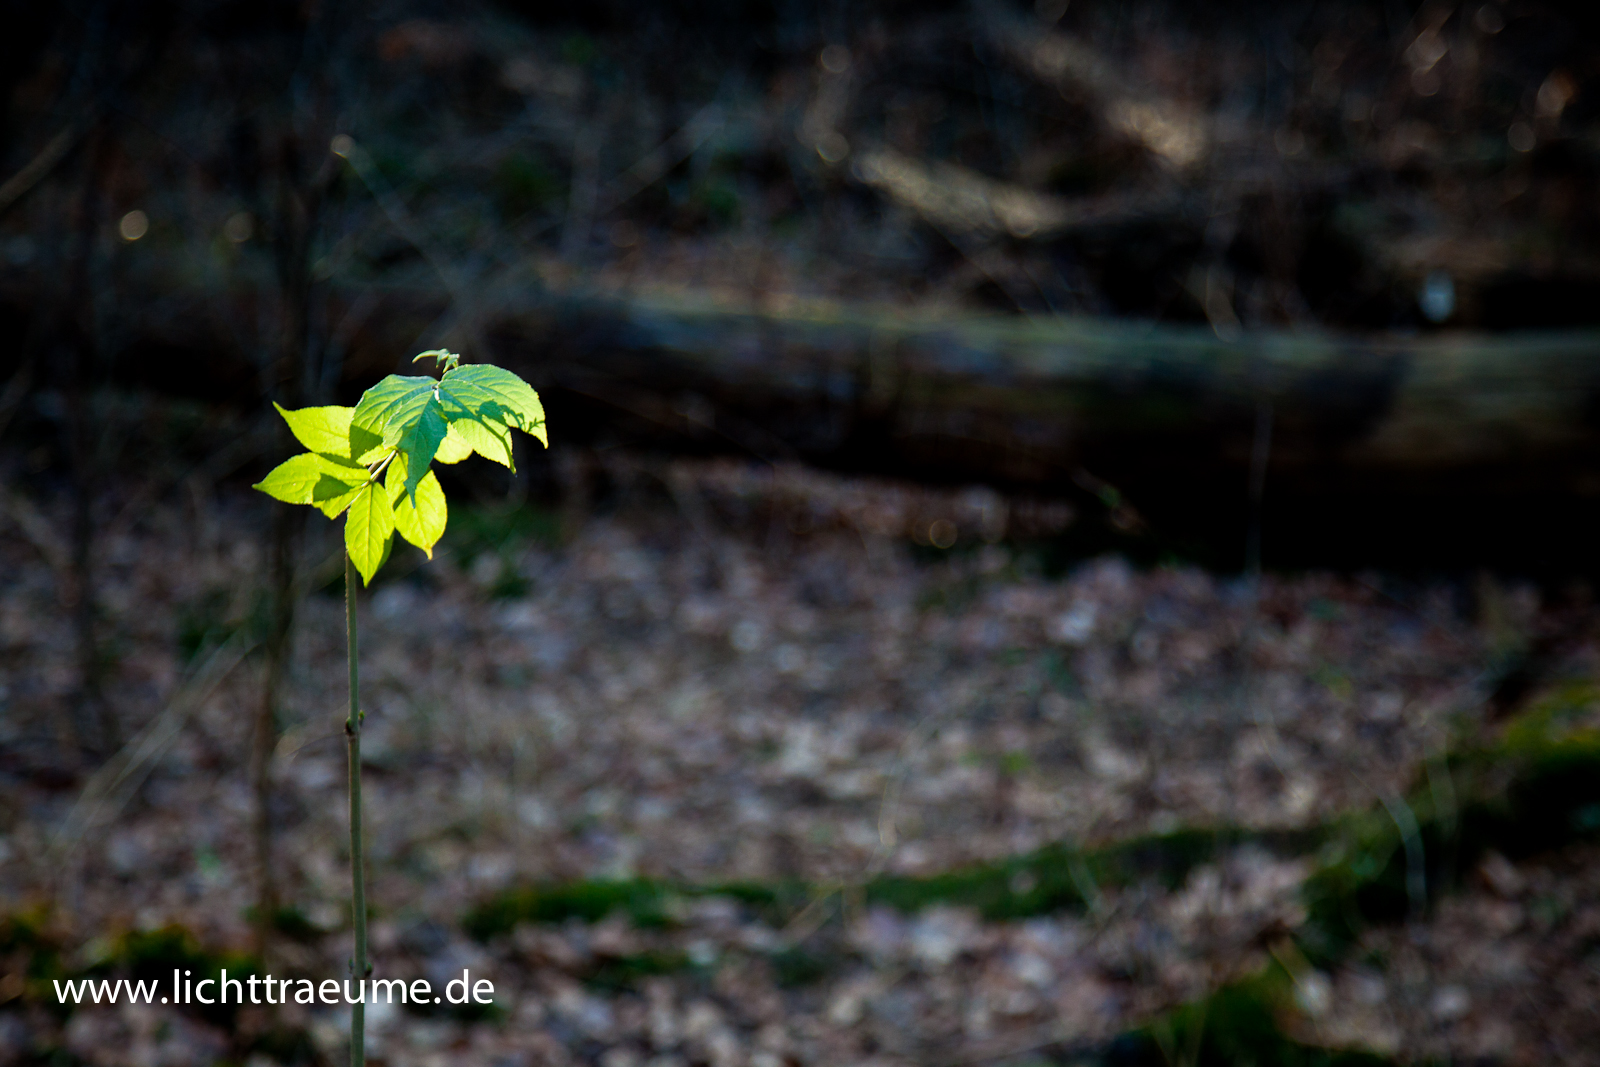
[
  {"x": 291, "y": 380},
  {"x": 1403, "y": 450}
]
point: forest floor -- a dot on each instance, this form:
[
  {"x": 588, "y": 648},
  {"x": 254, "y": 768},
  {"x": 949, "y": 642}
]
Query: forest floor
[{"x": 726, "y": 729}]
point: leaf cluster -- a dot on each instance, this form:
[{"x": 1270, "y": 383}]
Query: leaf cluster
[{"x": 371, "y": 463}]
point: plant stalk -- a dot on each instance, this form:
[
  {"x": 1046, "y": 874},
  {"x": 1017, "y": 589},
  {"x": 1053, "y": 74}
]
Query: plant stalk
[{"x": 359, "y": 967}]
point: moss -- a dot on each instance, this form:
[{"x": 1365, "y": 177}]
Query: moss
[
  {"x": 294, "y": 924},
  {"x": 1241, "y": 1023},
  {"x": 798, "y": 966},
  {"x": 154, "y": 954},
  {"x": 645, "y": 901},
  {"x": 471, "y": 1012},
  {"x": 1553, "y": 798},
  {"x": 28, "y": 943},
  {"x": 286, "y": 1045},
  {"x": 1539, "y": 788},
  {"x": 475, "y": 530},
  {"x": 523, "y": 183},
  {"x": 138, "y": 955},
  {"x": 1052, "y": 879},
  {"x": 1014, "y": 888},
  {"x": 648, "y": 903},
  {"x": 1535, "y": 790},
  {"x": 625, "y": 972},
  {"x": 1058, "y": 878}
]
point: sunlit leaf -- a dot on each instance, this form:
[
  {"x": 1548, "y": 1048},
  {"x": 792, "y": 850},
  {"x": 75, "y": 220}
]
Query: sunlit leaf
[
  {"x": 368, "y": 528},
  {"x": 487, "y": 438},
  {"x": 301, "y": 479},
  {"x": 332, "y": 495},
  {"x": 366, "y": 446},
  {"x": 406, "y": 414},
  {"x": 454, "y": 448},
  {"x": 492, "y": 395},
  {"x": 325, "y": 430},
  {"x": 393, "y": 404},
  {"x": 419, "y": 518},
  {"x": 405, "y": 422}
]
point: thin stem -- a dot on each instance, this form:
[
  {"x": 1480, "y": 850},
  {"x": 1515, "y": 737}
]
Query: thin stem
[
  {"x": 381, "y": 467},
  {"x": 358, "y": 889}
]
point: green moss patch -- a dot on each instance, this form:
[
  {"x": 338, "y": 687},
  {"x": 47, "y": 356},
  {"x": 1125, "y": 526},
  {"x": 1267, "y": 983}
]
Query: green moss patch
[{"x": 1241, "y": 1023}]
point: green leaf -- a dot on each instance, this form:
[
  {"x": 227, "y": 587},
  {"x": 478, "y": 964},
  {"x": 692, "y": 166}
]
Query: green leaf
[
  {"x": 421, "y": 517},
  {"x": 483, "y": 403},
  {"x": 388, "y": 550},
  {"x": 325, "y": 430},
  {"x": 441, "y": 357},
  {"x": 332, "y": 496},
  {"x": 489, "y": 439},
  {"x": 493, "y": 394},
  {"x": 454, "y": 448},
  {"x": 310, "y": 478},
  {"x": 405, "y": 413},
  {"x": 366, "y": 446},
  {"x": 368, "y": 529},
  {"x": 407, "y": 422},
  {"x": 393, "y": 404}
]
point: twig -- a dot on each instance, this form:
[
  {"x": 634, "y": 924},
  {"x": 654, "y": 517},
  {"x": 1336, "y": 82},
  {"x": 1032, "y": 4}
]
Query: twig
[
  {"x": 395, "y": 210},
  {"x": 584, "y": 192},
  {"x": 1405, "y": 820},
  {"x": 36, "y": 528},
  {"x": 110, "y": 788},
  {"x": 659, "y": 162},
  {"x": 243, "y": 449},
  {"x": 40, "y": 165},
  {"x": 16, "y": 389}
]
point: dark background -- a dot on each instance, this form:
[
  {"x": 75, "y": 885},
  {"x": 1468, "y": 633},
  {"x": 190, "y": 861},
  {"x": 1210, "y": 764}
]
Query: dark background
[
  {"x": 1067, "y": 536},
  {"x": 813, "y": 186}
]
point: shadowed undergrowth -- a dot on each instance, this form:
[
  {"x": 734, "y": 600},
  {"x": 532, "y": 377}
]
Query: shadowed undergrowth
[
  {"x": 1534, "y": 789},
  {"x": 1240, "y": 1023}
]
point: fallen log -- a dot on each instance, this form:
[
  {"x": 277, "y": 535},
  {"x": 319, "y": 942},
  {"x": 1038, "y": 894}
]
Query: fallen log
[
  {"x": 1439, "y": 450},
  {"x": 1421, "y": 445},
  {"x": 1048, "y": 394}
]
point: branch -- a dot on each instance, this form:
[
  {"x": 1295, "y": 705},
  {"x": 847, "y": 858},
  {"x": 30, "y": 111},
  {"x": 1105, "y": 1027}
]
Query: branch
[
  {"x": 953, "y": 198},
  {"x": 41, "y": 165},
  {"x": 111, "y": 787}
]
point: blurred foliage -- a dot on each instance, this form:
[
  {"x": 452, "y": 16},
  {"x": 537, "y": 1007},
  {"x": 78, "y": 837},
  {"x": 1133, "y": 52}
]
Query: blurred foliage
[
  {"x": 476, "y": 530},
  {"x": 1238, "y": 1024},
  {"x": 210, "y": 619},
  {"x": 35, "y": 948},
  {"x": 1535, "y": 790},
  {"x": 523, "y": 183},
  {"x": 648, "y": 903}
]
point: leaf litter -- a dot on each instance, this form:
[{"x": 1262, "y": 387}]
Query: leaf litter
[{"x": 752, "y": 677}]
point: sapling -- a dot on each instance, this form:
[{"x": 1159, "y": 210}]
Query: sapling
[{"x": 370, "y": 463}]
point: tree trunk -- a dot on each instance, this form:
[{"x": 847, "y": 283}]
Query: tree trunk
[{"x": 93, "y": 720}]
